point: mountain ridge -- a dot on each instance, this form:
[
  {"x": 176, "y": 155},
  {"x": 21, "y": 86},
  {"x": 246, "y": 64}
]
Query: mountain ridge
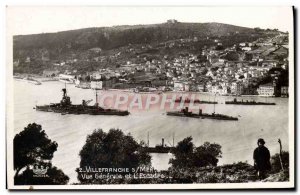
[
  {"x": 127, "y": 25},
  {"x": 36, "y": 52},
  {"x": 113, "y": 37}
]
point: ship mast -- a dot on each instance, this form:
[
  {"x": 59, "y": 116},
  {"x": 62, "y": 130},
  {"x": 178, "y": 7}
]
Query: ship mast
[
  {"x": 66, "y": 88},
  {"x": 148, "y": 139},
  {"x": 214, "y": 103},
  {"x": 96, "y": 97},
  {"x": 173, "y": 138}
]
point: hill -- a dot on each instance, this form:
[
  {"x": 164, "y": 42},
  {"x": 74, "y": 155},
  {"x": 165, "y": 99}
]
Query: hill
[
  {"x": 113, "y": 37},
  {"x": 42, "y": 50}
]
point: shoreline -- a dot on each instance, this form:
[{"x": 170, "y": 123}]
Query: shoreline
[{"x": 40, "y": 79}]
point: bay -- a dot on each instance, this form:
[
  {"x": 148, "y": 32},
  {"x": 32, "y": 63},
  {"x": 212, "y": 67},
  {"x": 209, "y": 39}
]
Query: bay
[{"x": 237, "y": 138}]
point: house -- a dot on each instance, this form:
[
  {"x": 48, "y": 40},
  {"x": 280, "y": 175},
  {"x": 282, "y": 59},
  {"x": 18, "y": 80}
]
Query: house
[
  {"x": 66, "y": 78},
  {"x": 266, "y": 90},
  {"x": 246, "y": 48},
  {"x": 236, "y": 88},
  {"x": 172, "y": 21},
  {"x": 28, "y": 60},
  {"x": 270, "y": 63},
  {"x": 96, "y": 75},
  {"x": 201, "y": 88},
  {"x": 181, "y": 86},
  {"x": 50, "y": 73},
  {"x": 96, "y": 84},
  {"x": 16, "y": 63}
]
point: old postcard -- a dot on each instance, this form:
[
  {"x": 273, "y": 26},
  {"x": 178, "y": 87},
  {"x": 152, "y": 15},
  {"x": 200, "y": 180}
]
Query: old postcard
[{"x": 150, "y": 97}]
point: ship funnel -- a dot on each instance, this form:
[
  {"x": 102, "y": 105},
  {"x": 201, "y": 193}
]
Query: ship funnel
[
  {"x": 64, "y": 91},
  {"x": 200, "y": 112},
  {"x": 162, "y": 142}
]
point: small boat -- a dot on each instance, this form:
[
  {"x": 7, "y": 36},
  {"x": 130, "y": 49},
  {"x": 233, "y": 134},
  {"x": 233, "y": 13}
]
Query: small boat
[
  {"x": 196, "y": 101},
  {"x": 236, "y": 102}
]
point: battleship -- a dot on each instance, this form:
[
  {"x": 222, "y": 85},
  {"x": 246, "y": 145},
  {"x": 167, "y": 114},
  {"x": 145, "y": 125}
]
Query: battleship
[
  {"x": 186, "y": 113},
  {"x": 66, "y": 107},
  {"x": 196, "y": 101},
  {"x": 236, "y": 102}
]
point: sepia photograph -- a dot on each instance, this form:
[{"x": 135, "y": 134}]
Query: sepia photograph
[{"x": 150, "y": 97}]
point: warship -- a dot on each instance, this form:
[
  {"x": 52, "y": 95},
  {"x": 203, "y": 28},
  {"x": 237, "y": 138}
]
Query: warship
[
  {"x": 196, "y": 101},
  {"x": 186, "y": 113},
  {"x": 66, "y": 107},
  {"x": 236, "y": 102}
]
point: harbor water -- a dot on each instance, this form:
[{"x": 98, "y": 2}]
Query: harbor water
[{"x": 237, "y": 138}]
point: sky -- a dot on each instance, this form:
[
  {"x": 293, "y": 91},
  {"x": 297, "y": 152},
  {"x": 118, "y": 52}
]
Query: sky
[{"x": 38, "y": 19}]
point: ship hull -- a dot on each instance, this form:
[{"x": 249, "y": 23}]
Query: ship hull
[
  {"x": 195, "y": 102},
  {"x": 79, "y": 109},
  {"x": 202, "y": 116},
  {"x": 251, "y": 103}
]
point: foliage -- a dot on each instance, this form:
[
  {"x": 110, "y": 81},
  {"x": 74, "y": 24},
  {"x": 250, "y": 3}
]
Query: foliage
[
  {"x": 32, "y": 144},
  {"x": 33, "y": 147},
  {"x": 232, "y": 173},
  {"x": 187, "y": 155},
  {"x": 207, "y": 154},
  {"x": 275, "y": 162},
  {"x": 53, "y": 176},
  {"x": 232, "y": 56},
  {"x": 183, "y": 153},
  {"x": 111, "y": 150},
  {"x": 219, "y": 47}
]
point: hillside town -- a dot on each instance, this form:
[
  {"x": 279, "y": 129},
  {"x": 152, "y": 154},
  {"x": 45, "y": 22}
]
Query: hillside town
[
  {"x": 198, "y": 103},
  {"x": 247, "y": 68}
]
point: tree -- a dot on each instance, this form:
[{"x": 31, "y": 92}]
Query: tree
[
  {"x": 54, "y": 176},
  {"x": 232, "y": 56},
  {"x": 189, "y": 156},
  {"x": 31, "y": 144},
  {"x": 111, "y": 150},
  {"x": 219, "y": 47},
  {"x": 183, "y": 153},
  {"x": 275, "y": 162},
  {"x": 257, "y": 29},
  {"x": 202, "y": 58},
  {"x": 207, "y": 155},
  {"x": 33, "y": 147}
]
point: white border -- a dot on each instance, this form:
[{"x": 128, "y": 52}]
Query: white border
[{"x": 259, "y": 185}]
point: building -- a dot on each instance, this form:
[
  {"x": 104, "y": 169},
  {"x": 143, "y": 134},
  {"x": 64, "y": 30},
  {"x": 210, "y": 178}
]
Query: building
[
  {"x": 201, "y": 88},
  {"x": 50, "y": 73},
  {"x": 96, "y": 75},
  {"x": 96, "y": 84},
  {"x": 27, "y": 60},
  {"x": 66, "y": 78},
  {"x": 284, "y": 91},
  {"x": 172, "y": 21},
  {"x": 236, "y": 88},
  {"x": 181, "y": 86},
  {"x": 266, "y": 90},
  {"x": 246, "y": 48}
]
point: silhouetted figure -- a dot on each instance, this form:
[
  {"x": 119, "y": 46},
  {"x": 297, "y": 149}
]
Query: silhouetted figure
[{"x": 261, "y": 156}]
